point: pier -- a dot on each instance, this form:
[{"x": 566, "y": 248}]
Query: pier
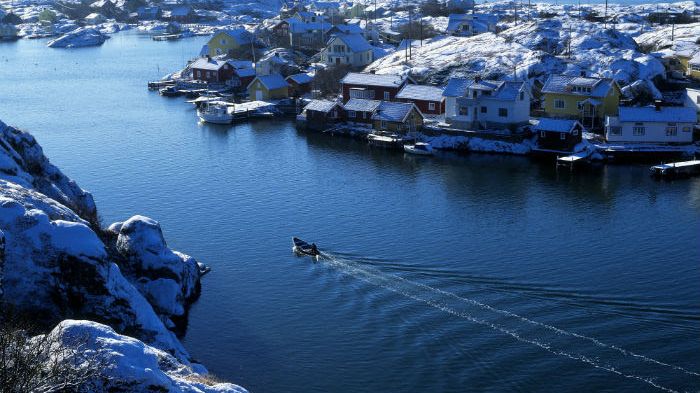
[{"x": 676, "y": 169}]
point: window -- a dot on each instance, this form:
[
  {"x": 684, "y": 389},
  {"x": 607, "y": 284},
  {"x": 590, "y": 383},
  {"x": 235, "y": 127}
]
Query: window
[
  {"x": 697, "y": 99},
  {"x": 503, "y": 112},
  {"x": 543, "y": 134},
  {"x": 562, "y": 135},
  {"x": 382, "y": 124},
  {"x": 431, "y": 106},
  {"x": 559, "y": 104},
  {"x": 671, "y": 131},
  {"x": 463, "y": 111},
  {"x": 686, "y": 129},
  {"x": 522, "y": 95},
  {"x": 614, "y": 130},
  {"x": 386, "y": 95},
  {"x": 638, "y": 131},
  {"x": 351, "y": 114},
  {"x": 484, "y": 109},
  {"x": 223, "y": 41},
  {"x": 574, "y": 132},
  {"x": 208, "y": 74},
  {"x": 364, "y": 115}
]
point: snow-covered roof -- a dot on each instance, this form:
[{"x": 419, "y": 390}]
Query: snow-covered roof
[
  {"x": 420, "y": 92},
  {"x": 349, "y": 28},
  {"x": 578, "y": 85},
  {"x": 94, "y": 15},
  {"x": 499, "y": 90},
  {"x": 695, "y": 59},
  {"x": 272, "y": 81},
  {"x": 361, "y": 105},
  {"x": 240, "y": 64},
  {"x": 241, "y": 35},
  {"x": 355, "y": 42},
  {"x": 297, "y": 26},
  {"x": 680, "y": 114},
  {"x": 324, "y": 106},
  {"x": 204, "y": 63},
  {"x": 301, "y": 78},
  {"x": 556, "y": 125},
  {"x": 393, "y": 111},
  {"x": 368, "y": 79},
  {"x": 245, "y": 72}
]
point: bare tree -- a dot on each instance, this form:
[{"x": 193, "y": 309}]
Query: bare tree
[{"x": 46, "y": 363}]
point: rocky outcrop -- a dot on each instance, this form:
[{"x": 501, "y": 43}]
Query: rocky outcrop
[
  {"x": 57, "y": 262},
  {"x": 133, "y": 365},
  {"x": 80, "y": 37}
]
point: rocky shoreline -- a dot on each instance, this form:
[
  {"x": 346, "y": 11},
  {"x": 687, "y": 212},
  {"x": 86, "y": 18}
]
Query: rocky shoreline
[{"x": 124, "y": 284}]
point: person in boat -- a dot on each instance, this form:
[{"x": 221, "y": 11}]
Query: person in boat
[{"x": 314, "y": 249}]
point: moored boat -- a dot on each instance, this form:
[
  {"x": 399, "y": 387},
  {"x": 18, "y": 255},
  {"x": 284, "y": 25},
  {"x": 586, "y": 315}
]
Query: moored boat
[
  {"x": 170, "y": 91},
  {"x": 420, "y": 148},
  {"x": 215, "y": 112}
]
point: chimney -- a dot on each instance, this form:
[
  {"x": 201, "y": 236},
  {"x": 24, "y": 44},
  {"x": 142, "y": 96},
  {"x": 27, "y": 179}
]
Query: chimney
[{"x": 208, "y": 58}]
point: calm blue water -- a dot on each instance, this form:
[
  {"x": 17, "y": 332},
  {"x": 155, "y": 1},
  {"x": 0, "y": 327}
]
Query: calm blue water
[{"x": 448, "y": 274}]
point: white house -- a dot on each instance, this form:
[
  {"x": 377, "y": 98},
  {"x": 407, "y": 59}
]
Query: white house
[
  {"x": 692, "y": 100},
  {"x": 471, "y": 24},
  {"x": 652, "y": 124},
  {"x": 352, "y": 49},
  {"x": 480, "y": 104}
]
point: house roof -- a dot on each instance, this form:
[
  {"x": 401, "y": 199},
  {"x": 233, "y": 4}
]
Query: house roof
[
  {"x": 500, "y": 90},
  {"x": 665, "y": 114},
  {"x": 182, "y": 10},
  {"x": 367, "y": 79},
  {"x": 556, "y": 125},
  {"x": 240, "y": 64},
  {"x": 420, "y": 92},
  {"x": 94, "y": 15},
  {"x": 324, "y": 106},
  {"x": 564, "y": 84},
  {"x": 695, "y": 59},
  {"x": 245, "y": 72},
  {"x": 349, "y": 28},
  {"x": 204, "y": 63},
  {"x": 361, "y": 105},
  {"x": 241, "y": 35},
  {"x": 393, "y": 111},
  {"x": 272, "y": 81},
  {"x": 354, "y": 42},
  {"x": 301, "y": 78},
  {"x": 297, "y": 26}
]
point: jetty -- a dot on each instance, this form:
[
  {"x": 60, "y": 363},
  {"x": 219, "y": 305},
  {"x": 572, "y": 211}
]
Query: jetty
[
  {"x": 573, "y": 159},
  {"x": 676, "y": 169}
]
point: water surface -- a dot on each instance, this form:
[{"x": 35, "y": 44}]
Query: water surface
[{"x": 447, "y": 274}]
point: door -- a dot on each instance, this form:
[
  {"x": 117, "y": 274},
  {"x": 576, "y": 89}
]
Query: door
[
  {"x": 337, "y": 60},
  {"x": 258, "y": 95}
]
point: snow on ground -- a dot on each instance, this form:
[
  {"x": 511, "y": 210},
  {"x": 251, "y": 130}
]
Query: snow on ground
[
  {"x": 476, "y": 144},
  {"x": 131, "y": 364}
]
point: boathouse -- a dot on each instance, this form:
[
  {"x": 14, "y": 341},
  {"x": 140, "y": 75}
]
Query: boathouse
[
  {"x": 320, "y": 114},
  {"x": 400, "y": 117},
  {"x": 299, "y": 84},
  {"x": 560, "y": 135},
  {"x": 360, "y": 110},
  {"x": 211, "y": 70},
  {"x": 268, "y": 87}
]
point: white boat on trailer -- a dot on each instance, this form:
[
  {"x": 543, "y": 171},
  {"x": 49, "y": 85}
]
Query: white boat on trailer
[{"x": 420, "y": 148}]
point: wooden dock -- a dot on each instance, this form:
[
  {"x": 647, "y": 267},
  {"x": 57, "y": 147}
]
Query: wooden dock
[{"x": 676, "y": 169}]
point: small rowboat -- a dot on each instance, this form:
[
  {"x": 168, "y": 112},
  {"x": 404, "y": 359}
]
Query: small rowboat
[{"x": 303, "y": 248}]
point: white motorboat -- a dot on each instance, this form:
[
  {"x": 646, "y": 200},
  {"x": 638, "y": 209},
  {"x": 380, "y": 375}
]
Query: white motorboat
[
  {"x": 420, "y": 148},
  {"x": 216, "y": 113}
]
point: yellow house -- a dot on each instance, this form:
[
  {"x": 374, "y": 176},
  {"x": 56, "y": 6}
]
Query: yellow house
[
  {"x": 228, "y": 42},
  {"x": 585, "y": 99},
  {"x": 268, "y": 87}
]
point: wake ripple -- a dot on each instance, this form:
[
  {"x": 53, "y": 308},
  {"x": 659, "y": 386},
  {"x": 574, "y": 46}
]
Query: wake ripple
[{"x": 661, "y": 375}]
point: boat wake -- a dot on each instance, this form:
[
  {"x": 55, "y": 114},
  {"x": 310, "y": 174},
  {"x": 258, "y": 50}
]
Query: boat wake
[{"x": 559, "y": 342}]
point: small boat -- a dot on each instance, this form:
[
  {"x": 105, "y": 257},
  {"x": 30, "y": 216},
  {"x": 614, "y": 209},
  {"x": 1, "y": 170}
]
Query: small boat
[
  {"x": 303, "y": 248},
  {"x": 170, "y": 91},
  {"x": 216, "y": 113},
  {"x": 420, "y": 148}
]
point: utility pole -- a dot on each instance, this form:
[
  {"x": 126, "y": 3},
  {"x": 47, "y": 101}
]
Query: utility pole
[
  {"x": 673, "y": 28},
  {"x": 579, "y": 9},
  {"x": 421, "y": 31},
  {"x": 410, "y": 28},
  {"x": 605, "y": 23}
]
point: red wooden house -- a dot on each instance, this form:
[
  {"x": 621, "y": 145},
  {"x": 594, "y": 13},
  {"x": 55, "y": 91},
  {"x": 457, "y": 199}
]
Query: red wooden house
[
  {"x": 371, "y": 86},
  {"x": 211, "y": 70}
]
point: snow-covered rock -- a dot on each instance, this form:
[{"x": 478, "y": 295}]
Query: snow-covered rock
[
  {"x": 167, "y": 278},
  {"x": 80, "y": 37},
  {"x": 59, "y": 263},
  {"x": 132, "y": 365}
]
